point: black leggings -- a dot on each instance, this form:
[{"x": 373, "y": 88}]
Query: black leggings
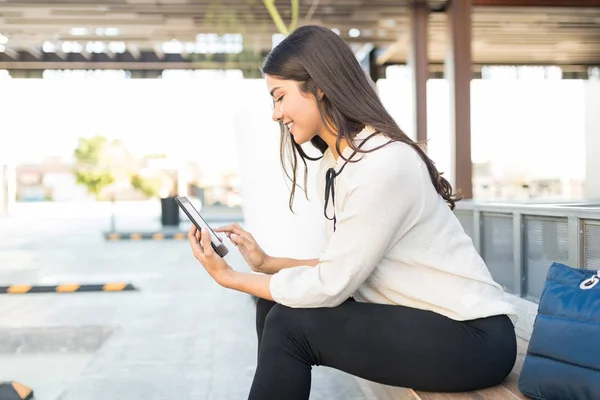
[{"x": 393, "y": 345}]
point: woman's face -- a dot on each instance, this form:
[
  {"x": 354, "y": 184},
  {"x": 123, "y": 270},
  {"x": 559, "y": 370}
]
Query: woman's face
[{"x": 296, "y": 109}]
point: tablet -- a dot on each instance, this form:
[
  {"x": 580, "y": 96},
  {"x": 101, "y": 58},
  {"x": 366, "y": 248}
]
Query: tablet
[{"x": 194, "y": 216}]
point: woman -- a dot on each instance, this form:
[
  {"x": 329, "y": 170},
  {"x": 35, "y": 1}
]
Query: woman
[{"x": 399, "y": 295}]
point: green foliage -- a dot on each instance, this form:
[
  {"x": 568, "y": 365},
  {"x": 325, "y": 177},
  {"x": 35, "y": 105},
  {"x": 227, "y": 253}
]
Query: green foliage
[
  {"x": 95, "y": 181},
  {"x": 90, "y": 150},
  {"x": 102, "y": 163},
  {"x": 150, "y": 186},
  {"x": 92, "y": 169}
]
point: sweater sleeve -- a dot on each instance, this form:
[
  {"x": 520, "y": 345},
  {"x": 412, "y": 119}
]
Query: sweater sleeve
[{"x": 377, "y": 212}]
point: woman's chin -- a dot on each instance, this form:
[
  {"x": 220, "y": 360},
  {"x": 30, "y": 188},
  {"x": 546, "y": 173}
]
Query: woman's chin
[{"x": 299, "y": 139}]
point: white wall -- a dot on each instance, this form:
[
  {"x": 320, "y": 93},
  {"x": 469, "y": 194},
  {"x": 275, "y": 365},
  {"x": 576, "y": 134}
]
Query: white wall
[
  {"x": 592, "y": 139},
  {"x": 520, "y": 126},
  {"x": 265, "y": 189}
]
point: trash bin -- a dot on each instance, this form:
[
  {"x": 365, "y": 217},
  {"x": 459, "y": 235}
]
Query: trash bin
[{"x": 169, "y": 212}]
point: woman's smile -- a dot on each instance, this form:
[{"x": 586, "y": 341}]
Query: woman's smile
[{"x": 289, "y": 126}]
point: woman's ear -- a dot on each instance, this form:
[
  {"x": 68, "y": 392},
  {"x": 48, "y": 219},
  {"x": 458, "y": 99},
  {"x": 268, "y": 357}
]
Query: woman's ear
[{"x": 320, "y": 93}]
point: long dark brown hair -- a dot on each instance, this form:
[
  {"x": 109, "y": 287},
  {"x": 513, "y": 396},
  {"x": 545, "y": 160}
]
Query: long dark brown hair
[{"x": 319, "y": 59}]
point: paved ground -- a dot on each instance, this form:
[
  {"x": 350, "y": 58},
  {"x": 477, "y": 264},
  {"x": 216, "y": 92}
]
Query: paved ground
[{"x": 179, "y": 337}]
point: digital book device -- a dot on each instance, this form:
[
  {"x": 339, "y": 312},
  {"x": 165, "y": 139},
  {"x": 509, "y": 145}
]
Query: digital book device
[{"x": 194, "y": 216}]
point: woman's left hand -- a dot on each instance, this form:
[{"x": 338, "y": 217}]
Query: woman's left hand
[{"x": 216, "y": 267}]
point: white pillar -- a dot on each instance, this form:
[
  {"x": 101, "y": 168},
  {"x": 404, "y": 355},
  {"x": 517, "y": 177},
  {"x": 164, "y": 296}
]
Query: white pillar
[
  {"x": 3, "y": 134},
  {"x": 265, "y": 189},
  {"x": 592, "y": 139},
  {"x": 3, "y": 194},
  {"x": 8, "y": 188}
]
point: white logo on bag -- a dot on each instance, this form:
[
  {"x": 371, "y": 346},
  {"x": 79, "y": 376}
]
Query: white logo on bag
[{"x": 590, "y": 282}]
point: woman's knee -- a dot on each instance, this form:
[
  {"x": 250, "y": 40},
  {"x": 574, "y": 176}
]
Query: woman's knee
[
  {"x": 289, "y": 329},
  {"x": 277, "y": 314},
  {"x": 292, "y": 321},
  {"x": 282, "y": 318},
  {"x": 263, "y": 308}
]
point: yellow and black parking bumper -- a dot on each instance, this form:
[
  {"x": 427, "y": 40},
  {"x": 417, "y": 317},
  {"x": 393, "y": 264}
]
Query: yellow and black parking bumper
[
  {"x": 67, "y": 288},
  {"x": 116, "y": 236}
]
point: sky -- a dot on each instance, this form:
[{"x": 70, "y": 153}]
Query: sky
[{"x": 533, "y": 128}]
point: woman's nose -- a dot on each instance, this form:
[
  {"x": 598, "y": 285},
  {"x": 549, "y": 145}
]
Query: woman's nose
[{"x": 277, "y": 115}]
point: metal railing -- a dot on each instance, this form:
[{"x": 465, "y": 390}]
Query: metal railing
[{"x": 519, "y": 241}]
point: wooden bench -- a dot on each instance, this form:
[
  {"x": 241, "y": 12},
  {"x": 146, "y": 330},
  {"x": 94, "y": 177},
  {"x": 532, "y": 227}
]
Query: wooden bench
[{"x": 508, "y": 390}]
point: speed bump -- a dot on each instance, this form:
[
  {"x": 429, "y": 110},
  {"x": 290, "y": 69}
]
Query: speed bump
[
  {"x": 18, "y": 289},
  {"x": 158, "y": 236},
  {"x": 67, "y": 288},
  {"x": 15, "y": 391},
  {"x": 136, "y": 236}
]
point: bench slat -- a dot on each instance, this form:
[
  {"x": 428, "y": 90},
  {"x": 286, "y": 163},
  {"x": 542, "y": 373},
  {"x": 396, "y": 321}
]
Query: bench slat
[{"x": 494, "y": 393}]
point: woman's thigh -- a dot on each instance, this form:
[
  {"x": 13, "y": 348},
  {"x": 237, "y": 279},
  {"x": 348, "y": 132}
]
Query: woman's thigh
[
  {"x": 263, "y": 307},
  {"x": 402, "y": 346}
]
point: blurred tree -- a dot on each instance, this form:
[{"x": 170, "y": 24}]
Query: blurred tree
[
  {"x": 151, "y": 186},
  {"x": 150, "y": 178},
  {"x": 95, "y": 181},
  {"x": 106, "y": 168},
  {"x": 92, "y": 169}
]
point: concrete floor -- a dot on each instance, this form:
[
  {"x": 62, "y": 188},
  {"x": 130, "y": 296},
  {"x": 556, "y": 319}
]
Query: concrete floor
[{"x": 181, "y": 336}]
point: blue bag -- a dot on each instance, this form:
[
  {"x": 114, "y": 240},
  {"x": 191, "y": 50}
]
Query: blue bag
[{"x": 563, "y": 357}]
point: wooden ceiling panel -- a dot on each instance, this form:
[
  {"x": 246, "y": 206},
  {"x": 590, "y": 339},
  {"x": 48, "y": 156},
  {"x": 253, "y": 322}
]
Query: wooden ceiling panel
[
  {"x": 504, "y": 35},
  {"x": 502, "y": 32}
]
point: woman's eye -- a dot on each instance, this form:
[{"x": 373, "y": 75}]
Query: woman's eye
[{"x": 279, "y": 99}]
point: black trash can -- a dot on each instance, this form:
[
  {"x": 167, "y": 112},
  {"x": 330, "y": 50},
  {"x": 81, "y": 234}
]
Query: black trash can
[{"x": 169, "y": 212}]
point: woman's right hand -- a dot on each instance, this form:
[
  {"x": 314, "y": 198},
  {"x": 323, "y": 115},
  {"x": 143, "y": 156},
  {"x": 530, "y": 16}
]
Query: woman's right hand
[{"x": 249, "y": 249}]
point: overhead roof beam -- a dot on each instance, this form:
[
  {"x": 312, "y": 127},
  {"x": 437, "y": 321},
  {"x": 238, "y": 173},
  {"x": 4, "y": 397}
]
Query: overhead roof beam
[
  {"x": 538, "y": 3},
  {"x": 137, "y": 66}
]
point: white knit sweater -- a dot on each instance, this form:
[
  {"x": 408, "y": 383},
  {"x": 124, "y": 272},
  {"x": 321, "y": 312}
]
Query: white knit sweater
[{"x": 396, "y": 242}]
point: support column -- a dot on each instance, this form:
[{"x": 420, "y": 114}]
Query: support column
[
  {"x": 5, "y": 94},
  {"x": 7, "y": 188},
  {"x": 458, "y": 73},
  {"x": 3, "y": 194},
  {"x": 592, "y": 139},
  {"x": 419, "y": 63}
]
